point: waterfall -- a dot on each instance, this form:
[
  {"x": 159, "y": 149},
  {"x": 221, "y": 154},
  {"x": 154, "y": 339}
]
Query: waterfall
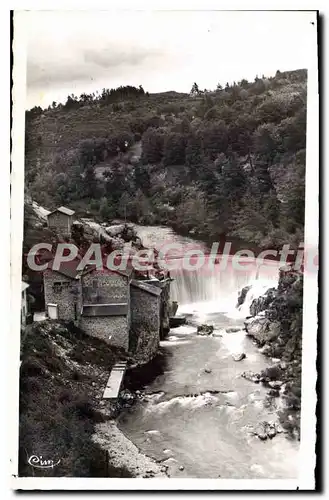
[
  {"x": 257, "y": 289},
  {"x": 217, "y": 289}
]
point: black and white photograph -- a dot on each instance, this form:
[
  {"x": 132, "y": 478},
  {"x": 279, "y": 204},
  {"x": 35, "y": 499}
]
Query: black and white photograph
[{"x": 164, "y": 249}]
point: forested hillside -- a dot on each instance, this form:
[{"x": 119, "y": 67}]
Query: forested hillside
[{"x": 229, "y": 161}]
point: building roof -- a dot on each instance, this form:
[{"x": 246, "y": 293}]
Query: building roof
[
  {"x": 24, "y": 286},
  {"x": 70, "y": 270},
  {"x": 105, "y": 309},
  {"x": 146, "y": 287},
  {"x": 63, "y": 210}
]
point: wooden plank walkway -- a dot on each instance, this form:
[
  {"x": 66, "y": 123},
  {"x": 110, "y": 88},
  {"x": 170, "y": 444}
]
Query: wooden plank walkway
[{"x": 114, "y": 382}]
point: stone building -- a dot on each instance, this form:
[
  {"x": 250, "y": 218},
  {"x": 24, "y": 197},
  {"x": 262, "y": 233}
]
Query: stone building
[
  {"x": 61, "y": 220},
  {"x": 106, "y": 306},
  {"x": 145, "y": 319},
  {"x": 63, "y": 291},
  {"x": 97, "y": 301}
]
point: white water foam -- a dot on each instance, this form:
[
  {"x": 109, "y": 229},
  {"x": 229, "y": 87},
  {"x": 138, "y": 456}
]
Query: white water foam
[
  {"x": 233, "y": 342},
  {"x": 186, "y": 402},
  {"x": 257, "y": 289}
]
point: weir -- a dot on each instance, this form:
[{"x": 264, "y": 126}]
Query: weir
[{"x": 221, "y": 284}]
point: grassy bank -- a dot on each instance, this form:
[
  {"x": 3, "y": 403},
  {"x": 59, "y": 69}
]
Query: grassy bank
[{"x": 63, "y": 375}]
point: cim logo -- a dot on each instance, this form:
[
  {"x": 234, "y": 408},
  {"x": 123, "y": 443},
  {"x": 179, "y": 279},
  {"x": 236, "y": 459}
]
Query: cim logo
[{"x": 39, "y": 463}]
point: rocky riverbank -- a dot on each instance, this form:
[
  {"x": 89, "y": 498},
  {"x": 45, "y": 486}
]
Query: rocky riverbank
[
  {"x": 275, "y": 325},
  {"x": 121, "y": 452},
  {"x": 124, "y": 454}
]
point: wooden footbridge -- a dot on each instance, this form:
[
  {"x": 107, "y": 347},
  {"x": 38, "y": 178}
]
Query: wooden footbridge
[{"x": 114, "y": 382}]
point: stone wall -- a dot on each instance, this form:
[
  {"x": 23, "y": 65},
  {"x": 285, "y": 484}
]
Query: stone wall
[
  {"x": 112, "y": 329},
  {"x": 165, "y": 308},
  {"x": 105, "y": 287},
  {"x": 165, "y": 305},
  {"x": 63, "y": 291},
  {"x": 60, "y": 222},
  {"x": 145, "y": 324}
]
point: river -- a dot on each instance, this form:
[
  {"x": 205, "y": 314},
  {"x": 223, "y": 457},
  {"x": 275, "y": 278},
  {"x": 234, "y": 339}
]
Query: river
[{"x": 198, "y": 415}]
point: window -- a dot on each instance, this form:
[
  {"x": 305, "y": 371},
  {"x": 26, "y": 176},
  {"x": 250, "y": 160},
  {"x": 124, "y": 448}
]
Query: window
[{"x": 59, "y": 286}]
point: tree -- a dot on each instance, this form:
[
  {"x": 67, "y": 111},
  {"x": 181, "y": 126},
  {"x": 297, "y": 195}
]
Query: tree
[
  {"x": 211, "y": 114},
  {"x": 262, "y": 175},
  {"x": 116, "y": 183},
  {"x": 125, "y": 207},
  {"x": 142, "y": 208},
  {"x": 105, "y": 210},
  {"x": 71, "y": 102},
  {"x": 193, "y": 150},
  {"x": 232, "y": 179},
  {"x": 214, "y": 139},
  {"x": 195, "y": 89},
  {"x": 174, "y": 149},
  {"x": 153, "y": 144},
  {"x": 265, "y": 140},
  {"x": 250, "y": 223},
  {"x": 192, "y": 211},
  {"x": 244, "y": 83},
  {"x": 142, "y": 177},
  {"x": 90, "y": 183}
]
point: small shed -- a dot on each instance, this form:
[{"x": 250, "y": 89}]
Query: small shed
[{"x": 61, "y": 220}]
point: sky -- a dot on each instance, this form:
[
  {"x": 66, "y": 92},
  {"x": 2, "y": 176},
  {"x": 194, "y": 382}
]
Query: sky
[{"x": 84, "y": 51}]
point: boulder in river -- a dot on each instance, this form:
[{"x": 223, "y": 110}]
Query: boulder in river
[
  {"x": 239, "y": 356},
  {"x": 253, "y": 377},
  {"x": 273, "y": 393},
  {"x": 262, "y": 329},
  {"x": 260, "y": 432},
  {"x": 205, "y": 330},
  {"x": 242, "y": 295},
  {"x": 265, "y": 430},
  {"x": 266, "y": 349},
  {"x": 275, "y": 384},
  {"x": 126, "y": 398},
  {"x": 233, "y": 329}
]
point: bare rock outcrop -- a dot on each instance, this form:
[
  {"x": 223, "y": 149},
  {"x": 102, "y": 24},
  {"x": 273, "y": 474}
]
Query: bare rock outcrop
[{"x": 262, "y": 329}]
